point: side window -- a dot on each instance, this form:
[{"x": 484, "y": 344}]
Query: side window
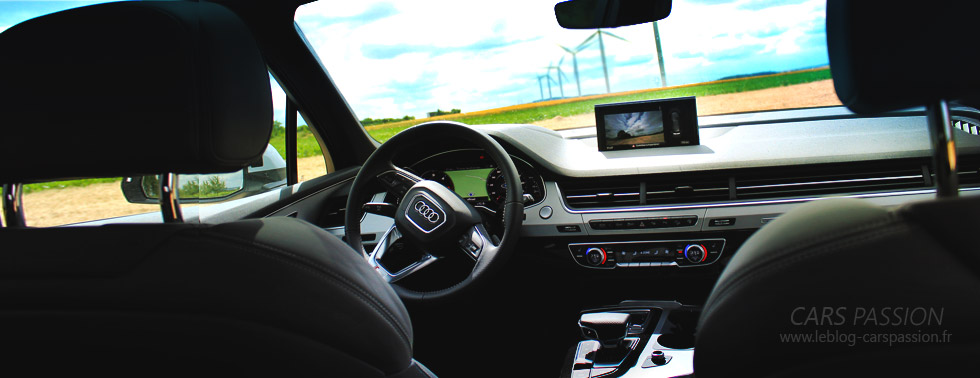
[
  {"x": 137, "y": 198},
  {"x": 66, "y": 202},
  {"x": 312, "y": 158}
]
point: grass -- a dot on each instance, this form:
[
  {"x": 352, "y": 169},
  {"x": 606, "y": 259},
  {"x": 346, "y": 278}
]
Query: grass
[
  {"x": 307, "y": 145},
  {"x": 31, "y": 188},
  {"x": 527, "y": 113}
]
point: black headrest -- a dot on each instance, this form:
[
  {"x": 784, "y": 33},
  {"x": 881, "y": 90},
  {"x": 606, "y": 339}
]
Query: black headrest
[
  {"x": 892, "y": 55},
  {"x": 124, "y": 89}
]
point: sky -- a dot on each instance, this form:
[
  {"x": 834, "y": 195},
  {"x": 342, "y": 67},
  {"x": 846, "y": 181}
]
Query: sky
[
  {"x": 410, "y": 57},
  {"x": 636, "y": 124},
  {"x": 392, "y": 59}
]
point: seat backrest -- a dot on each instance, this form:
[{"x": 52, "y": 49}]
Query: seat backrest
[
  {"x": 277, "y": 296},
  {"x": 126, "y": 89},
  {"x": 843, "y": 287}
]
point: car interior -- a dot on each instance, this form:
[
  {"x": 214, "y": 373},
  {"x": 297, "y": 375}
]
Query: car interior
[{"x": 720, "y": 257}]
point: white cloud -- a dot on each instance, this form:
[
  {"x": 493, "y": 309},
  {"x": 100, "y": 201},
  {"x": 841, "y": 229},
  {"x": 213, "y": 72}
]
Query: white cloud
[{"x": 395, "y": 59}]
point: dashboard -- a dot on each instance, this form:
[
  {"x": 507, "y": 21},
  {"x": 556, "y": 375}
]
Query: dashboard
[{"x": 686, "y": 207}]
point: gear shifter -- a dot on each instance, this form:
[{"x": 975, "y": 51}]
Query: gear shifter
[{"x": 609, "y": 328}]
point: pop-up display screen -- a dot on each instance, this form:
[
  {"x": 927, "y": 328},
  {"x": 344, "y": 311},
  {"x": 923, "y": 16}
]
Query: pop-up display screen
[{"x": 645, "y": 124}]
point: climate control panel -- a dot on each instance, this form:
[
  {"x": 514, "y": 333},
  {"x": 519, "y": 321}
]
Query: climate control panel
[{"x": 647, "y": 254}]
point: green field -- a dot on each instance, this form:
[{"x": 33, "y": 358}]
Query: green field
[
  {"x": 306, "y": 143},
  {"x": 532, "y": 113},
  {"x": 30, "y": 188}
]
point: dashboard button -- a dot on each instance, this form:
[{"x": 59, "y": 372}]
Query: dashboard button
[
  {"x": 721, "y": 222},
  {"x": 569, "y": 228},
  {"x": 545, "y": 212}
]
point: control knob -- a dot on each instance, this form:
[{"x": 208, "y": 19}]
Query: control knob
[
  {"x": 695, "y": 253},
  {"x": 595, "y": 256}
]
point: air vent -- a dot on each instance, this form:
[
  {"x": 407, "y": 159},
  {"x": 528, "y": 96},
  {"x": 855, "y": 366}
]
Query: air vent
[
  {"x": 756, "y": 184},
  {"x": 657, "y": 190},
  {"x": 661, "y": 191},
  {"x": 588, "y": 194},
  {"x": 966, "y": 124},
  {"x": 968, "y": 170},
  {"x": 837, "y": 179}
]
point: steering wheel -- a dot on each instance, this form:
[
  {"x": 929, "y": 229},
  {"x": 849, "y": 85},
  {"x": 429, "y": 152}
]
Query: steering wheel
[{"x": 430, "y": 217}]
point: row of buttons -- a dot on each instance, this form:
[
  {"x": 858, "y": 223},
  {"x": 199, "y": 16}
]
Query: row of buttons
[
  {"x": 644, "y": 264},
  {"x": 647, "y": 253},
  {"x": 644, "y": 223}
]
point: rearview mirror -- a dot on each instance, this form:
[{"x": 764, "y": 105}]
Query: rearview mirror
[
  {"x": 593, "y": 14},
  {"x": 257, "y": 178}
]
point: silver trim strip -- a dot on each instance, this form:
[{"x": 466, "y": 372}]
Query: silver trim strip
[
  {"x": 746, "y": 203},
  {"x": 829, "y": 182}
]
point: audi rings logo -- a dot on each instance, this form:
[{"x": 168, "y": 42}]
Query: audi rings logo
[
  {"x": 427, "y": 212},
  {"x": 424, "y": 213}
]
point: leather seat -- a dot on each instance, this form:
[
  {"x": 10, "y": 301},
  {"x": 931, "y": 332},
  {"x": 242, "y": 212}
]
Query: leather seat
[
  {"x": 269, "y": 297},
  {"x": 844, "y": 287}
]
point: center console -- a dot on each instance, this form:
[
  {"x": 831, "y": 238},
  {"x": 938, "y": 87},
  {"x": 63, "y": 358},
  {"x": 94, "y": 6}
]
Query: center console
[{"x": 635, "y": 339}]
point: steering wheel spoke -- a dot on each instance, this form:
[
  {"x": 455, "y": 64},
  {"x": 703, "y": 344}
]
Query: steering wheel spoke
[
  {"x": 474, "y": 241},
  {"x": 398, "y": 181},
  {"x": 389, "y": 244}
]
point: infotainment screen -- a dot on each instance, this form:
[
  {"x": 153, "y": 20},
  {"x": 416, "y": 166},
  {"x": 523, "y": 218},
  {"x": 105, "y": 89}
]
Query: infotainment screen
[{"x": 645, "y": 124}]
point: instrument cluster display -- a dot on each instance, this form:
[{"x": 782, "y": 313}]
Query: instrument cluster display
[{"x": 472, "y": 175}]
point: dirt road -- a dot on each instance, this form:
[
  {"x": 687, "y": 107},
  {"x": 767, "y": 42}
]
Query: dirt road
[
  {"x": 808, "y": 95},
  {"x": 71, "y": 205}
]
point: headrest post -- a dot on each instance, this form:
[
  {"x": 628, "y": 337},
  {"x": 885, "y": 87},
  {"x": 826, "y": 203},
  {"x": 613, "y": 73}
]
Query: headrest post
[
  {"x": 169, "y": 204},
  {"x": 943, "y": 149},
  {"x": 13, "y": 207}
]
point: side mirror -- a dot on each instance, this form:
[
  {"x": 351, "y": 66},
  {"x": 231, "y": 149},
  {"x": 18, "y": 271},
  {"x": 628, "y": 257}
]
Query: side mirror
[
  {"x": 261, "y": 176},
  {"x": 593, "y": 14}
]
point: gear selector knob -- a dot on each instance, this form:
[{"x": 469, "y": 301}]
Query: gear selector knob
[{"x": 609, "y": 328}]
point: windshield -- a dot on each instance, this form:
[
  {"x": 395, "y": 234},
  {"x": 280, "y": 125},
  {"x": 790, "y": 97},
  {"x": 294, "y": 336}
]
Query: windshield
[{"x": 399, "y": 64}]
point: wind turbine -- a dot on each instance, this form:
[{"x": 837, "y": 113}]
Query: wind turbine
[
  {"x": 540, "y": 87},
  {"x": 602, "y": 51},
  {"x": 574, "y": 53},
  {"x": 547, "y": 75},
  {"x": 557, "y": 67},
  {"x": 660, "y": 55}
]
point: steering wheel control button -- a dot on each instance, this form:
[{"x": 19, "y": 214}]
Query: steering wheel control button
[
  {"x": 545, "y": 212},
  {"x": 472, "y": 242},
  {"x": 647, "y": 254},
  {"x": 425, "y": 213}
]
